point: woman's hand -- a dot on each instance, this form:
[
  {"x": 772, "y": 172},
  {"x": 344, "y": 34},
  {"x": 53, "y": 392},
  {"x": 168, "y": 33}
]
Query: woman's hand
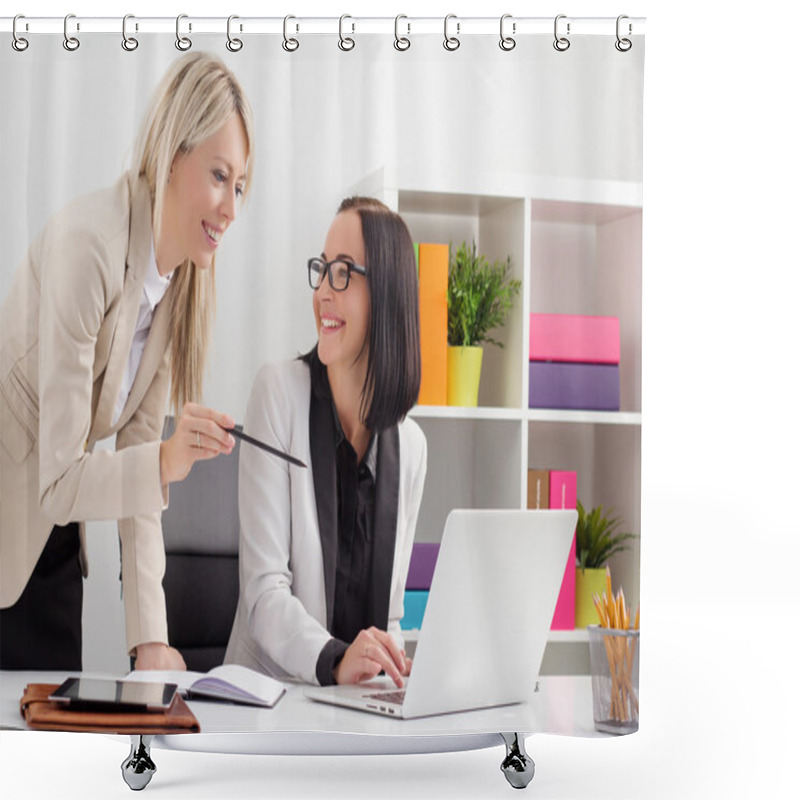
[
  {"x": 372, "y": 650},
  {"x": 200, "y": 433},
  {"x": 157, "y": 655}
]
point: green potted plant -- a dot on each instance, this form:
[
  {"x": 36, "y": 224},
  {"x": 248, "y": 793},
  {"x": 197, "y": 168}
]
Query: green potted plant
[
  {"x": 479, "y": 298},
  {"x": 598, "y": 537}
]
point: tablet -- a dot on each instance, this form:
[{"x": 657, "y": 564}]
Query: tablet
[{"x": 101, "y": 694}]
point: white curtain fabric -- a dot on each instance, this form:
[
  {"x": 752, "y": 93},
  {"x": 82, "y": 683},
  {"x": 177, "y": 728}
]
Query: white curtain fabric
[{"x": 325, "y": 121}]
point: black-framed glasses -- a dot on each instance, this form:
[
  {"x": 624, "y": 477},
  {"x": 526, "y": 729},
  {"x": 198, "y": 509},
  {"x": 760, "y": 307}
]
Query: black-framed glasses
[{"x": 338, "y": 272}]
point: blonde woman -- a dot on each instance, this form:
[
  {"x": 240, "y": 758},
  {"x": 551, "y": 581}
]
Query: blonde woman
[{"x": 109, "y": 315}]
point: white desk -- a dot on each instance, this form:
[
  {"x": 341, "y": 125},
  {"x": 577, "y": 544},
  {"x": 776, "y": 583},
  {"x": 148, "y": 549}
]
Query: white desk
[{"x": 299, "y": 726}]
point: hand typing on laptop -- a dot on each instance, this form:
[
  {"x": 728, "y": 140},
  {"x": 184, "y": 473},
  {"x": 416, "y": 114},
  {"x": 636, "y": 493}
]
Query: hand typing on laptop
[
  {"x": 471, "y": 652},
  {"x": 371, "y": 652}
]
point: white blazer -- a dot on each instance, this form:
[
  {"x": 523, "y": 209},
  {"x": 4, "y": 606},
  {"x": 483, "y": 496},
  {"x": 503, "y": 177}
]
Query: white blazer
[{"x": 280, "y": 626}]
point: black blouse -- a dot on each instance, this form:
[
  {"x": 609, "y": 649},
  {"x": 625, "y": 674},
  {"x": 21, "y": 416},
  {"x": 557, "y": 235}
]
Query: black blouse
[{"x": 357, "y": 513}]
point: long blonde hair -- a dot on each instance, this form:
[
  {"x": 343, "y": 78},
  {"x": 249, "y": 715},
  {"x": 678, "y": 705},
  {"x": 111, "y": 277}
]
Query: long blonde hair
[{"x": 195, "y": 99}]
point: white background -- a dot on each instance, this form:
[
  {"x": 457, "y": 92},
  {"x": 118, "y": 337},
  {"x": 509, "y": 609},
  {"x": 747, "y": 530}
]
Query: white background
[{"x": 720, "y": 433}]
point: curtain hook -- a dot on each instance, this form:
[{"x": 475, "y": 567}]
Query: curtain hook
[
  {"x": 233, "y": 44},
  {"x": 346, "y": 42},
  {"x": 289, "y": 44},
  {"x": 182, "y": 42},
  {"x": 451, "y": 42},
  {"x": 18, "y": 42},
  {"x": 623, "y": 44},
  {"x": 507, "y": 42},
  {"x": 129, "y": 43},
  {"x": 401, "y": 42},
  {"x": 561, "y": 43},
  {"x": 70, "y": 42}
]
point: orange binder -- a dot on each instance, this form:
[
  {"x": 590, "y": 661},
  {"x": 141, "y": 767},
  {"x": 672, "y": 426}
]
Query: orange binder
[{"x": 433, "y": 263}]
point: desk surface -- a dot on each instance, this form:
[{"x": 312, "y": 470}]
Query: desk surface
[{"x": 563, "y": 705}]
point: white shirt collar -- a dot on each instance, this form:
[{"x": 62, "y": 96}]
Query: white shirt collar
[{"x": 155, "y": 286}]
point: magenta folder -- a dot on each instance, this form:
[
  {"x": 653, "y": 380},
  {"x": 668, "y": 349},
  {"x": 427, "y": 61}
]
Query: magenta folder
[
  {"x": 574, "y": 337},
  {"x": 564, "y": 494},
  {"x": 423, "y": 562}
]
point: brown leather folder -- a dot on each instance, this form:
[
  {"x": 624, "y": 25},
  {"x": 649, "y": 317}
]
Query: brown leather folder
[{"x": 43, "y": 714}]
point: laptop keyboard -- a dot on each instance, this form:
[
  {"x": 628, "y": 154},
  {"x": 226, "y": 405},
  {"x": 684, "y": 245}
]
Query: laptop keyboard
[{"x": 389, "y": 697}]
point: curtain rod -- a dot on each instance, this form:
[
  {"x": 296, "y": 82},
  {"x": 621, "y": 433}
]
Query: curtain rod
[{"x": 348, "y": 25}]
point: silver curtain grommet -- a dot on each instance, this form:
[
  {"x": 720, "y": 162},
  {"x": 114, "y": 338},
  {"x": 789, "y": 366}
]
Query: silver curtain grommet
[
  {"x": 183, "y": 43},
  {"x": 19, "y": 43},
  {"x": 507, "y": 42},
  {"x": 561, "y": 43},
  {"x": 289, "y": 44},
  {"x": 401, "y": 43},
  {"x": 623, "y": 44},
  {"x": 346, "y": 43},
  {"x": 233, "y": 44},
  {"x": 451, "y": 43},
  {"x": 129, "y": 43},
  {"x": 71, "y": 43}
]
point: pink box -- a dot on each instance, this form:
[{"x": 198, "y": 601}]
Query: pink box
[
  {"x": 573, "y": 337},
  {"x": 564, "y": 494}
]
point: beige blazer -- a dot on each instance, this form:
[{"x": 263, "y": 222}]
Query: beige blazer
[{"x": 65, "y": 336}]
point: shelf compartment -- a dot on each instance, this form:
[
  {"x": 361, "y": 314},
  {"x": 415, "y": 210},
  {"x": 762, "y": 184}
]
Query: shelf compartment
[
  {"x": 472, "y": 463},
  {"x": 607, "y": 460},
  {"x": 497, "y": 225}
]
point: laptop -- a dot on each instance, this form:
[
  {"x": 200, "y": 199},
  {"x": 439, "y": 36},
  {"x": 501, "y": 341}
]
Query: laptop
[{"x": 488, "y": 616}]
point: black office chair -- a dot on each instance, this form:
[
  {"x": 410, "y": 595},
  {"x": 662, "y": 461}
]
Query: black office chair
[{"x": 201, "y": 538}]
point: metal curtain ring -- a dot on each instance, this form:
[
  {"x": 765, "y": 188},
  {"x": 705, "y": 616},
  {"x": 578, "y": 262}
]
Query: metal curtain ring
[
  {"x": 507, "y": 42},
  {"x": 451, "y": 42},
  {"x": 401, "y": 42},
  {"x": 623, "y": 44},
  {"x": 182, "y": 42},
  {"x": 70, "y": 42},
  {"x": 289, "y": 44},
  {"x": 346, "y": 42},
  {"x": 561, "y": 43},
  {"x": 129, "y": 43},
  {"x": 233, "y": 44},
  {"x": 18, "y": 42}
]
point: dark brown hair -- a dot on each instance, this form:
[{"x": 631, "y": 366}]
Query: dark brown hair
[{"x": 391, "y": 386}]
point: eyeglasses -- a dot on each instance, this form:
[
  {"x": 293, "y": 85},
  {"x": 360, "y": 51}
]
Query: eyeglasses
[{"x": 338, "y": 272}]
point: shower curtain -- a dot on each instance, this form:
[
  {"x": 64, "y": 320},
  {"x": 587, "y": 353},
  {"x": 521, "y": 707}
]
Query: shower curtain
[{"x": 532, "y": 150}]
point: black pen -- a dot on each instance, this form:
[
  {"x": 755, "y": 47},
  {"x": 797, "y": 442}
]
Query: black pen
[{"x": 250, "y": 440}]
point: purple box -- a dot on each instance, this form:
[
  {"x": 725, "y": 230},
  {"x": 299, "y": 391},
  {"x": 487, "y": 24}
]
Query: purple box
[
  {"x": 555, "y": 384},
  {"x": 423, "y": 562}
]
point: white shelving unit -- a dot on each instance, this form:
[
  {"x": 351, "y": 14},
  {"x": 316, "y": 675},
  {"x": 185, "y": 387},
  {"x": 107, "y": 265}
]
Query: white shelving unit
[{"x": 576, "y": 247}]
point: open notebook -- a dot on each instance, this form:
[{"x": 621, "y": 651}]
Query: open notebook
[{"x": 230, "y": 682}]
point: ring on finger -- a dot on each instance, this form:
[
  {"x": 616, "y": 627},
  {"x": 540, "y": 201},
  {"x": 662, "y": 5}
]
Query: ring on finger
[{"x": 197, "y": 438}]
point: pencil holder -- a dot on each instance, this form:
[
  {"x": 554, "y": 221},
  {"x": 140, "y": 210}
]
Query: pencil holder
[{"x": 614, "y": 659}]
